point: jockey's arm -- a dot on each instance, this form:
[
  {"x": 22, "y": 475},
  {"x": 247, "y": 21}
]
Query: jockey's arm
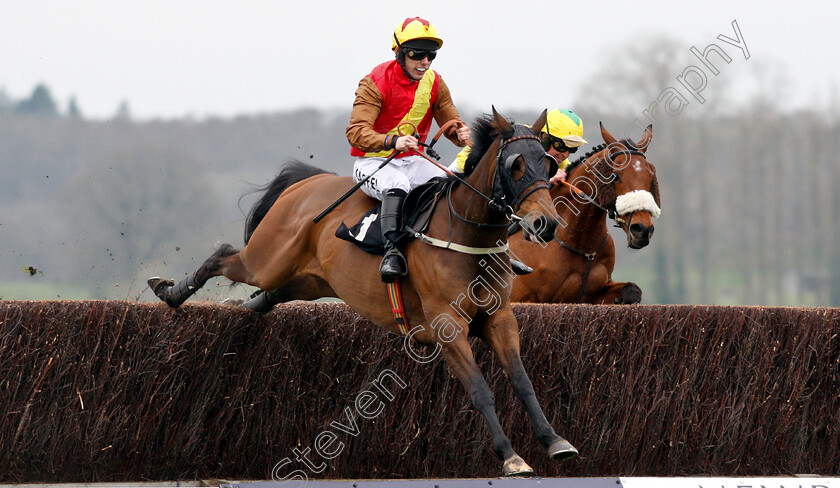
[
  {"x": 460, "y": 160},
  {"x": 366, "y": 108}
]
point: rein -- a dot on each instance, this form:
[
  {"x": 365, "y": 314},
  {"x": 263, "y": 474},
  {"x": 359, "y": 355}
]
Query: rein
[
  {"x": 496, "y": 203},
  {"x": 450, "y": 173},
  {"x": 480, "y": 225}
]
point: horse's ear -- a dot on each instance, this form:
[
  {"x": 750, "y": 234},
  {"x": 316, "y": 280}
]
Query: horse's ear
[
  {"x": 538, "y": 125},
  {"x": 608, "y": 138},
  {"x": 501, "y": 124},
  {"x": 644, "y": 142}
]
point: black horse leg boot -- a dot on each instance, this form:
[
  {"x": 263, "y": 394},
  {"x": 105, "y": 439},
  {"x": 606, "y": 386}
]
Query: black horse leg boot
[
  {"x": 393, "y": 264},
  {"x": 520, "y": 268}
]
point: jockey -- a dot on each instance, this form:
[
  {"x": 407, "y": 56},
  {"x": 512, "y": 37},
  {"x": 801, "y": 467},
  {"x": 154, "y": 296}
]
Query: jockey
[
  {"x": 561, "y": 136},
  {"x": 398, "y": 91}
]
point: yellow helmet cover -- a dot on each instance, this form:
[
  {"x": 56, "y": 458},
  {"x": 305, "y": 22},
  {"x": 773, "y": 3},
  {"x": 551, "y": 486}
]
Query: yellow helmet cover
[
  {"x": 565, "y": 124},
  {"x": 414, "y": 28}
]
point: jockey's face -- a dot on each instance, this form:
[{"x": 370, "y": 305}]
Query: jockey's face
[
  {"x": 560, "y": 156},
  {"x": 416, "y": 69}
]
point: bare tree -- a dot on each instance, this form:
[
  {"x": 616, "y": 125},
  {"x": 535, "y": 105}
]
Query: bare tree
[{"x": 127, "y": 207}]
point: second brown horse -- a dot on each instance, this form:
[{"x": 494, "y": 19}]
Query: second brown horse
[{"x": 614, "y": 179}]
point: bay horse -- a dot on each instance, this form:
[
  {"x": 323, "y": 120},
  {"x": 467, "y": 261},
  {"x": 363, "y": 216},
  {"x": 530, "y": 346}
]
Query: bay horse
[
  {"x": 576, "y": 266},
  {"x": 507, "y": 178}
]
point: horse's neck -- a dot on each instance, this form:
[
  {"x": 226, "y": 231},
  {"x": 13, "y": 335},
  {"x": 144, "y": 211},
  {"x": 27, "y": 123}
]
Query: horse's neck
[{"x": 585, "y": 225}]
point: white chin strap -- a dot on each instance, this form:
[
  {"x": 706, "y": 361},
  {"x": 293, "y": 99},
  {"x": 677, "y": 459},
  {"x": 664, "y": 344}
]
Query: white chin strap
[{"x": 637, "y": 201}]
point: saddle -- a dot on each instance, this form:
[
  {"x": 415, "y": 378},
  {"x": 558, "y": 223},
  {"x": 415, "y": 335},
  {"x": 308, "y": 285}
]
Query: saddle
[{"x": 416, "y": 214}]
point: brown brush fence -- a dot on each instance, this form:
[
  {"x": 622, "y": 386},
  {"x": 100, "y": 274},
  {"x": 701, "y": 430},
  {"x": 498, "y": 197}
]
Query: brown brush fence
[{"x": 118, "y": 391}]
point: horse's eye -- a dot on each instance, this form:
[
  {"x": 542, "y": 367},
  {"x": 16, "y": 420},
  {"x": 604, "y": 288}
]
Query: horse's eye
[
  {"x": 617, "y": 177},
  {"x": 517, "y": 169},
  {"x": 515, "y": 165}
]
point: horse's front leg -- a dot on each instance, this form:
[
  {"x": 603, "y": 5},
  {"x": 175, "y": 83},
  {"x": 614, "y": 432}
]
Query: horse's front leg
[
  {"x": 459, "y": 357},
  {"x": 618, "y": 293},
  {"x": 225, "y": 261},
  {"x": 502, "y": 335}
]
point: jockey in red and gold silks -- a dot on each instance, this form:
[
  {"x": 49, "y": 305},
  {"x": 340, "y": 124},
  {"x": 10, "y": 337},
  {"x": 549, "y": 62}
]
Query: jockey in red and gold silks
[
  {"x": 401, "y": 100},
  {"x": 405, "y": 89}
]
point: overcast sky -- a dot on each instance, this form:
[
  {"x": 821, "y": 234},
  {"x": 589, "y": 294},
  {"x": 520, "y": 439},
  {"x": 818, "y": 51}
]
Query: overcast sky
[{"x": 171, "y": 58}]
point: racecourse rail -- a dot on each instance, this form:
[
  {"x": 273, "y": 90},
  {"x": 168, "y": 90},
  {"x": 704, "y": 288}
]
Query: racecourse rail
[{"x": 97, "y": 391}]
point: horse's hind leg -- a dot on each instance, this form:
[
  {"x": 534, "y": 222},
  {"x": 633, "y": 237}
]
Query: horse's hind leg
[
  {"x": 618, "y": 293},
  {"x": 502, "y": 334},
  {"x": 302, "y": 287},
  {"x": 224, "y": 261}
]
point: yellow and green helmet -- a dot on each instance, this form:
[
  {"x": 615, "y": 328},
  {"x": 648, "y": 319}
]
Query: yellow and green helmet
[{"x": 565, "y": 125}]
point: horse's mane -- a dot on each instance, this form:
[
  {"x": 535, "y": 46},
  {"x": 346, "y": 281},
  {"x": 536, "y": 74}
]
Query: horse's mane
[{"x": 482, "y": 136}]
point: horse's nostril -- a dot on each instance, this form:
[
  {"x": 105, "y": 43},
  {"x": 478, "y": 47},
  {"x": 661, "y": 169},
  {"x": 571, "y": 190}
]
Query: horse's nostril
[
  {"x": 638, "y": 230},
  {"x": 650, "y": 232}
]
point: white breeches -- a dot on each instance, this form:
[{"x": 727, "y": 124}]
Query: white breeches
[{"x": 404, "y": 173}]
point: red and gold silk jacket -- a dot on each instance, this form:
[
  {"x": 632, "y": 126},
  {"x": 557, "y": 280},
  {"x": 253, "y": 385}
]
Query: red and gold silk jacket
[{"x": 386, "y": 98}]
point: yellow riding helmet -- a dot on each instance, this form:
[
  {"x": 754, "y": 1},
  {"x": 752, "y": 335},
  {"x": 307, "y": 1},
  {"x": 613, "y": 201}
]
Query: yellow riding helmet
[
  {"x": 414, "y": 28},
  {"x": 565, "y": 124}
]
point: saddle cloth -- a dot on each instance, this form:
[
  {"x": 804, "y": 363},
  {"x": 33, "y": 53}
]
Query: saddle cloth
[{"x": 416, "y": 213}]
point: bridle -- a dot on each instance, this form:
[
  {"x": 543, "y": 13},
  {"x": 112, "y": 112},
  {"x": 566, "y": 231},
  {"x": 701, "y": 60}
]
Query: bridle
[
  {"x": 504, "y": 180},
  {"x": 618, "y": 219},
  {"x": 611, "y": 213},
  {"x": 503, "y": 186}
]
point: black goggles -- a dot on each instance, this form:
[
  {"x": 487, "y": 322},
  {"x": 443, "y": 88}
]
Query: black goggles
[
  {"x": 419, "y": 54},
  {"x": 558, "y": 145}
]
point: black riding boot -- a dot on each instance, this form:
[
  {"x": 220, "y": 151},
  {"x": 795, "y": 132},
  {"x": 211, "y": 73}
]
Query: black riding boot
[{"x": 393, "y": 264}]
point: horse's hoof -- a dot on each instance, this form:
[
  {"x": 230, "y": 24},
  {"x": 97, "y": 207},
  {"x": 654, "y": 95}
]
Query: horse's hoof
[
  {"x": 233, "y": 302},
  {"x": 516, "y": 466},
  {"x": 561, "y": 450},
  {"x": 159, "y": 286}
]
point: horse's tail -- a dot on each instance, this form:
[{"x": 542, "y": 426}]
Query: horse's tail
[{"x": 290, "y": 174}]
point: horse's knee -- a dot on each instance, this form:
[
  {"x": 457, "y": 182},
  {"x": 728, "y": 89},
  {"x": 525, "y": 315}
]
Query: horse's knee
[
  {"x": 522, "y": 386},
  {"x": 631, "y": 293},
  {"x": 482, "y": 397},
  {"x": 213, "y": 265}
]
